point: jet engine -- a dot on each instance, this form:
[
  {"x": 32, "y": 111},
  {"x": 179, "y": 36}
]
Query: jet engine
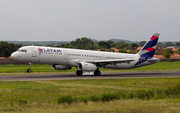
[
  {"x": 60, "y": 67},
  {"x": 87, "y": 66}
]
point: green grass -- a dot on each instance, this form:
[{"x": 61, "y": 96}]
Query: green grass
[
  {"x": 36, "y": 68},
  {"x": 41, "y": 69},
  {"x": 92, "y": 95}
]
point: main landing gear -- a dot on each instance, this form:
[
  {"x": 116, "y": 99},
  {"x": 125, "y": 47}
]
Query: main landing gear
[
  {"x": 79, "y": 72},
  {"x": 29, "y": 70},
  {"x": 96, "y": 73}
]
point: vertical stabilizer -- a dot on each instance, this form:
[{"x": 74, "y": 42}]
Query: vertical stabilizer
[{"x": 148, "y": 50}]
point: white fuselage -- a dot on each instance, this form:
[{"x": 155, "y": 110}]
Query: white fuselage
[{"x": 71, "y": 57}]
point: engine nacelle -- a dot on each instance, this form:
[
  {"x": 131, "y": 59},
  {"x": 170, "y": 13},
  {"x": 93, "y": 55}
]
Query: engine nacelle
[
  {"x": 60, "y": 67},
  {"x": 87, "y": 66}
]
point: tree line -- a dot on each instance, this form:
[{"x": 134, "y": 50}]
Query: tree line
[
  {"x": 7, "y": 48},
  {"x": 84, "y": 43},
  {"x": 87, "y": 44}
]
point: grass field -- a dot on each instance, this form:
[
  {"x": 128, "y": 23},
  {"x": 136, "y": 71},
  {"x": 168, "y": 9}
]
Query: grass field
[
  {"x": 131, "y": 95},
  {"x": 21, "y": 69},
  {"x": 104, "y": 95}
]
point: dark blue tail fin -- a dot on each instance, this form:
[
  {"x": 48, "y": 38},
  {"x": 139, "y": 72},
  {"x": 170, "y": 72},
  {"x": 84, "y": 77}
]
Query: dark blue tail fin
[{"x": 149, "y": 48}]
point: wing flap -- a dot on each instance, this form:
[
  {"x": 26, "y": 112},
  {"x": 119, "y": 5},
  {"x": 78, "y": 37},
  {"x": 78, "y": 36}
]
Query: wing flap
[{"x": 111, "y": 61}]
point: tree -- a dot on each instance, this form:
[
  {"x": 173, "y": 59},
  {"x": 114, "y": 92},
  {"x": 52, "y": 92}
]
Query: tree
[
  {"x": 112, "y": 50},
  {"x": 122, "y": 51},
  {"x": 103, "y": 49},
  {"x": 83, "y": 43},
  {"x": 6, "y": 52},
  {"x": 104, "y": 45},
  {"x": 79, "y": 47},
  {"x": 118, "y": 46},
  {"x": 177, "y": 43},
  {"x": 122, "y": 45},
  {"x": 91, "y": 46},
  {"x": 71, "y": 46},
  {"x": 7, "y": 48},
  {"x": 66, "y": 45},
  {"x": 132, "y": 52},
  {"x": 169, "y": 44},
  {"x": 110, "y": 42},
  {"x": 133, "y": 45},
  {"x": 161, "y": 44},
  {"x": 178, "y": 52},
  {"x": 158, "y": 53},
  {"x": 167, "y": 53},
  {"x": 49, "y": 46},
  {"x": 141, "y": 44}
]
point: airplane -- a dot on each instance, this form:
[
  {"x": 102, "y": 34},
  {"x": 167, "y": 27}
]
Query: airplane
[{"x": 87, "y": 60}]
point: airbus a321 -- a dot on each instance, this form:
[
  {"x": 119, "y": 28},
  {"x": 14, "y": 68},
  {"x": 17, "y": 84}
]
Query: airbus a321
[{"x": 87, "y": 60}]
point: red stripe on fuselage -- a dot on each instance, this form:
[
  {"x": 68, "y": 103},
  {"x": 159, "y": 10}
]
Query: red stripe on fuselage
[
  {"x": 150, "y": 49},
  {"x": 154, "y": 37}
]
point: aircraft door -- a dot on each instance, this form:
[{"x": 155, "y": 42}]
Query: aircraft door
[
  {"x": 102, "y": 57},
  {"x": 65, "y": 54},
  {"x": 34, "y": 54}
]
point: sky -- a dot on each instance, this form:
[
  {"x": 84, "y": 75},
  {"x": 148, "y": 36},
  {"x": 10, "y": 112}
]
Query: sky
[{"x": 67, "y": 20}]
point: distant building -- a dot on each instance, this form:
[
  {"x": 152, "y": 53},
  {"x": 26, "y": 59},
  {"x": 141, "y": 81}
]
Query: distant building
[
  {"x": 128, "y": 51},
  {"x": 174, "y": 48},
  {"x": 115, "y": 49},
  {"x": 158, "y": 56},
  {"x": 170, "y": 47},
  {"x": 139, "y": 48},
  {"x": 173, "y": 56}
]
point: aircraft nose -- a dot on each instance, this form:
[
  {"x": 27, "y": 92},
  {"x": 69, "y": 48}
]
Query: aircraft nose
[{"x": 14, "y": 56}]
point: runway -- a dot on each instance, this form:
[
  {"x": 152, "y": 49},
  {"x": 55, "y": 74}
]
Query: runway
[{"x": 39, "y": 77}]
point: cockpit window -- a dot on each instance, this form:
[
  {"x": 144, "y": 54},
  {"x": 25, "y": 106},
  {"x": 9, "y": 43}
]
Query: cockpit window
[{"x": 21, "y": 50}]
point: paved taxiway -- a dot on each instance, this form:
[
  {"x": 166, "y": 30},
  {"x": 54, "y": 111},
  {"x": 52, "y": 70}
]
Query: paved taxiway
[{"x": 31, "y": 77}]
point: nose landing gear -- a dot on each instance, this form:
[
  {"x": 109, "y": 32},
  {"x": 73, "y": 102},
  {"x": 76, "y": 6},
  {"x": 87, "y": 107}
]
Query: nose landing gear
[{"x": 29, "y": 70}]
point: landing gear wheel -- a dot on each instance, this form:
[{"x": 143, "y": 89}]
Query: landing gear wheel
[
  {"x": 97, "y": 73},
  {"x": 28, "y": 70},
  {"x": 79, "y": 73}
]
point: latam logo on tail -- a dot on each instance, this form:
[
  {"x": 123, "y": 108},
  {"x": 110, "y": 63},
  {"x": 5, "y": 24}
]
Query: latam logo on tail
[
  {"x": 40, "y": 50},
  {"x": 148, "y": 50}
]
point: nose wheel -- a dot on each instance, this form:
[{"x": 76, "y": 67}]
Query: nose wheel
[{"x": 29, "y": 70}]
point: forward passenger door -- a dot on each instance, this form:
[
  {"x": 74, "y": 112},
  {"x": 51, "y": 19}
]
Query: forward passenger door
[{"x": 34, "y": 54}]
